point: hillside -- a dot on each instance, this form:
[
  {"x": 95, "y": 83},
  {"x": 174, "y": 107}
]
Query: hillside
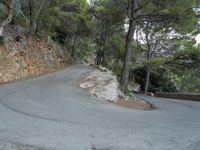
[{"x": 21, "y": 58}]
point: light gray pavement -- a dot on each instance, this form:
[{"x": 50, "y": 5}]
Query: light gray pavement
[{"x": 51, "y": 112}]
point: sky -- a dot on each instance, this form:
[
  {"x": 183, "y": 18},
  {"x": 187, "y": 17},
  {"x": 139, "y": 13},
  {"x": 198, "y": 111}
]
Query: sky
[{"x": 198, "y": 38}]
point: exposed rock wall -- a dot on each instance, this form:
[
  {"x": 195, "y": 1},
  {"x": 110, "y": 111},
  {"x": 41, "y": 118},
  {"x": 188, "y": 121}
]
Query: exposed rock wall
[{"x": 25, "y": 58}]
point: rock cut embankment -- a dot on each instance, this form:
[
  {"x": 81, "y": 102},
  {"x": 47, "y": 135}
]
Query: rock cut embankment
[{"x": 21, "y": 57}]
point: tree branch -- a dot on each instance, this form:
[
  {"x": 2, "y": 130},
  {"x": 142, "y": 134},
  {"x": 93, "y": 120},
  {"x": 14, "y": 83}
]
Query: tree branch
[
  {"x": 156, "y": 17},
  {"x": 9, "y": 18},
  {"x": 5, "y": 3}
]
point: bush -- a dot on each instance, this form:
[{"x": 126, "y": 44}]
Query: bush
[
  {"x": 159, "y": 80},
  {"x": 1, "y": 40},
  {"x": 19, "y": 20}
]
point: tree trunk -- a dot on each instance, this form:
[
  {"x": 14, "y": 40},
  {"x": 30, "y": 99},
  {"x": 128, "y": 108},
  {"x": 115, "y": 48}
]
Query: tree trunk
[
  {"x": 149, "y": 50},
  {"x": 127, "y": 59},
  {"x": 30, "y": 12},
  {"x": 147, "y": 78},
  {"x": 36, "y": 29},
  {"x": 100, "y": 58},
  {"x": 32, "y": 26},
  {"x": 8, "y": 19},
  {"x": 114, "y": 64},
  {"x": 133, "y": 5},
  {"x": 73, "y": 47}
]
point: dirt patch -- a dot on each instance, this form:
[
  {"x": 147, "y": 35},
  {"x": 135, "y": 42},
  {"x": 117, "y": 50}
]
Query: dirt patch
[{"x": 134, "y": 104}]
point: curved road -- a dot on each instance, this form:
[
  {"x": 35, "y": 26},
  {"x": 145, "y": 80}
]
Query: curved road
[{"x": 51, "y": 112}]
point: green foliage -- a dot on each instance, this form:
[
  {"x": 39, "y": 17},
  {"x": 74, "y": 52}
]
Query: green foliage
[
  {"x": 160, "y": 81},
  {"x": 2, "y": 13},
  {"x": 1, "y": 40},
  {"x": 114, "y": 49},
  {"x": 186, "y": 76},
  {"x": 75, "y": 29},
  {"x": 107, "y": 26},
  {"x": 20, "y": 21},
  {"x": 49, "y": 18},
  {"x": 190, "y": 81},
  {"x": 84, "y": 50},
  {"x": 156, "y": 62}
]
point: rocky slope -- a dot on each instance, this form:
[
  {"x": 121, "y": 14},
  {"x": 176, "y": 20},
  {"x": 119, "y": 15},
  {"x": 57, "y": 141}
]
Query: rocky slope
[{"x": 21, "y": 58}]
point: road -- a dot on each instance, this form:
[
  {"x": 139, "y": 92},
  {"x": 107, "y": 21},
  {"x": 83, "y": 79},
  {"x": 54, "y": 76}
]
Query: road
[{"x": 51, "y": 112}]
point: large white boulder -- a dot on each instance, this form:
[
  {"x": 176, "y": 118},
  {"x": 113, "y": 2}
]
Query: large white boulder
[{"x": 103, "y": 84}]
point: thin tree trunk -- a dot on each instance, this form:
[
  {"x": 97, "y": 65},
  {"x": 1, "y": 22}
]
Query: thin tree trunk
[
  {"x": 133, "y": 5},
  {"x": 73, "y": 47},
  {"x": 31, "y": 11},
  {"x": 114, "y": 64},
  {"x": 100, "y": 57},
  {"x": 103, "y": 61},
  {"x": 97, "y": 56},
  {"x": 147, "y": 78},
  {"x": 36, "y": 29},
  {"x": 8, "y": 19},
  {"x": 147, "y": 68},
  {"x": 31, "y": 29}
]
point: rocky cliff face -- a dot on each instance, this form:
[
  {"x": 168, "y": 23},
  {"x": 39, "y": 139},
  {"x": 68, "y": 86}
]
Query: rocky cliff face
[{"x": 21, "y": 58}]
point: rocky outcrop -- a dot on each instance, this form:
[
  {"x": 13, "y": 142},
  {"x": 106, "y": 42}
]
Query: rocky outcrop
[
  {"x": 23, "y": 58},
  {"x": 103, "y": 84}
]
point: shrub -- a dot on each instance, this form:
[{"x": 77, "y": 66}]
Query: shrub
[
  {"x": 1, "y": 40},
  {"x": 160, "y": 81}
]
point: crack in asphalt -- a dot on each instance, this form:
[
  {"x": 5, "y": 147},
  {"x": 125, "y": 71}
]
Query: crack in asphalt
[{"x": 10, "y": 145}]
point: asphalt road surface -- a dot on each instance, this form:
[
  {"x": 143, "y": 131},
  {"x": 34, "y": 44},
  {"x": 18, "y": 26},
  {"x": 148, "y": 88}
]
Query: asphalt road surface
[{"x": 51, "y": 112}]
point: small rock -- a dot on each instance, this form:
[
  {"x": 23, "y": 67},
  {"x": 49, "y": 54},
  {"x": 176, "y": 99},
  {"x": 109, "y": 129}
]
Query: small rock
[{"x": 19, "y": 29}]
